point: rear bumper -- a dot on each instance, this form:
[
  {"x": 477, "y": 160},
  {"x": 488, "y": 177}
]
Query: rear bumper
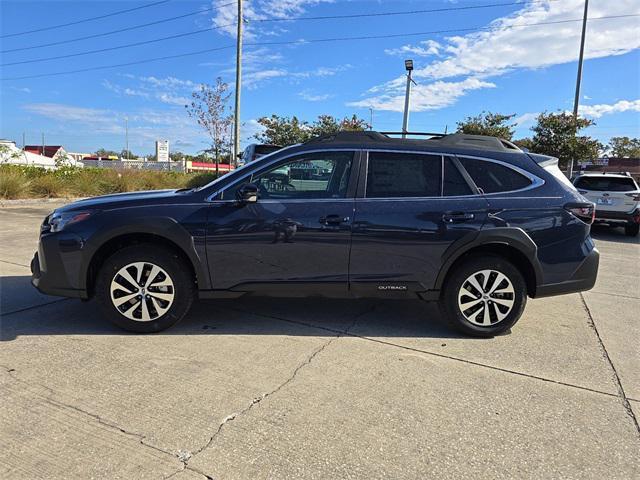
[
  {"x": 611, "y": 216},
  {"x": 584, "y": 278}
]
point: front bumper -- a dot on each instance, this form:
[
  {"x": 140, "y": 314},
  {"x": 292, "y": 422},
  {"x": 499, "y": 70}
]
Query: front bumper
[
  {"x": 612, "y": 216},
  {"x": 55, "y": 267},
  {"x": 584, "y": 278}
]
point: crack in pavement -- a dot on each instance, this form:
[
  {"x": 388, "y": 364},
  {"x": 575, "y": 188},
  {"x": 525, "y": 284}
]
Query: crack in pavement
[
  {"x": 102, "y": 421},
  {"x": 14, "y": 263},
  {"x": 621, "y": 394},
  {"x": 434, "y": 354},
  {"x": 35, "y": 306},
  {"x": 290, "y": 379}
]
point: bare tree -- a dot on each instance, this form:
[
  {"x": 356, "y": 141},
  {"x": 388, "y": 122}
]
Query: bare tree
[{"x": 209, "y": 108}]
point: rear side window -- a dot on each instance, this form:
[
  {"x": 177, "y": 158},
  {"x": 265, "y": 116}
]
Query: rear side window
[
  {"x": 403, "y": 175},
  {"x": 492, "y": 177},
  {"x": 453, "y": 183},
  {"x": 606, "y": 184}
]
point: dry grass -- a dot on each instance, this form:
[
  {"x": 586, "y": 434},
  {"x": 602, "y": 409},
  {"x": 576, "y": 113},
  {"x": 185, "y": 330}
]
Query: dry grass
[{"x": 29, "y": 182}]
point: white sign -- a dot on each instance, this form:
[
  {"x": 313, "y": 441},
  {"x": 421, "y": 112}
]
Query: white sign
[{"x": 162, "y": 150}]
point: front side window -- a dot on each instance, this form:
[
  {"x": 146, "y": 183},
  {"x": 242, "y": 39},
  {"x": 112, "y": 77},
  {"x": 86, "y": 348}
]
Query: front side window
[
  {"x": 493, "y": 177},
  {"x": 403, "y": 175},
  {"x": 309, "y": 176}
]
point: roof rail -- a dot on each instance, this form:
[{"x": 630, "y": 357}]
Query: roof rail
[{"x": 461, "y": 140}]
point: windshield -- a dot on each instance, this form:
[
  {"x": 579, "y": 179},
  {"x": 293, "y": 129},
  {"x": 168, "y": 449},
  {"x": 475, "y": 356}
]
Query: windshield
[
  {"x": 607, "y": 184},
  {"x": 238, "y": 171}
]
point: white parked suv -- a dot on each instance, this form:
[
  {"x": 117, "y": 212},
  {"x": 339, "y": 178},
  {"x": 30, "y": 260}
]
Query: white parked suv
[{"x": 617, "y": 199}]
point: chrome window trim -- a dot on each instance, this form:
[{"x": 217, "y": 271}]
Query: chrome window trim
[
  {"x": 535, "y": 181},
  {"x": 211, "y": 197}
]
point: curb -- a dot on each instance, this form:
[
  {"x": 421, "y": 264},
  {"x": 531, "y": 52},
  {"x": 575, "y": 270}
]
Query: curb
[{"x": 37, "y": 201}]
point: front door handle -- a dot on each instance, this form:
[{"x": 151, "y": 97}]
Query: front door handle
[
  {"x": 457, "y": 217},
  {"x": 333, "y": 220}
]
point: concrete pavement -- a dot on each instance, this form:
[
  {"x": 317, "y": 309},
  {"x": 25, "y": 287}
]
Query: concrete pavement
[{"x": 273, "y": 388}]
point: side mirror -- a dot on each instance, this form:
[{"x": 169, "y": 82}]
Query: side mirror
[{"x": 247, "y": 193}]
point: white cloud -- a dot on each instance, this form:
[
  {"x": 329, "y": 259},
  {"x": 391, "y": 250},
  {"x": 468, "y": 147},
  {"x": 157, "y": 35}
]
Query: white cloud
[
  {"x": 432, "y": 96},
  {"x": 253, "y": 78},
  {"x": 505, "y": 47},
  {"x": 526, "y": 119},
  {"x": 226, "y": 15},
  {"x": 145, "y": 126},
  {"x": 169, "y": 90},
  {"x": 311, "y": 97},
  {"x": 597, "y": 111},
  {"x": 21, "y": 89},
  {"x": 423, "y": 49}
]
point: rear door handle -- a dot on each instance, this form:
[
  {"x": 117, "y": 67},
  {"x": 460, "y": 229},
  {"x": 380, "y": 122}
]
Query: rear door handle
[
  {"x": 333, "y": 220},
  {"x": 457, "y": 217}
]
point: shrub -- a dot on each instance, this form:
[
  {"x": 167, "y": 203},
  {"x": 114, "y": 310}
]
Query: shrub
[
  {"x": 13, "y": 182},
  {"x": 47, "y": 186}
]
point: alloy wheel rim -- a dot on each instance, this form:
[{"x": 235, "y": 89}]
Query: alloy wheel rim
[
  {"x": 142, "y": 291},
  {"x": 486, "y": 298}
]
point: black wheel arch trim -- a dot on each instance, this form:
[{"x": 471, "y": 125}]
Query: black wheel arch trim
[
  {"x": 512, "y": 236},
  {"x": 166, "y": 228}
]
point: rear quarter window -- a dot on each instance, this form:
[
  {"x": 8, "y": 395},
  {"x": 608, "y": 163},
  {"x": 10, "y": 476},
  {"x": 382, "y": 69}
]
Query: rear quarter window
[
  {"x": 607, "y": 184},
  {"x": 493, "y": 177}
]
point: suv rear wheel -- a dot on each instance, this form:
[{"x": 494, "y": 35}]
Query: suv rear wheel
[
  {"x": 632, "y": 230},
  {"x": 145, "y": 288},
  {"x": 484, "y": 296}
]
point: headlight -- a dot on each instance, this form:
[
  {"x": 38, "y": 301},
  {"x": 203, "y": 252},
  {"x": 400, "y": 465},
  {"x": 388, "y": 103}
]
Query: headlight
[{"x": 58, "y": 221}]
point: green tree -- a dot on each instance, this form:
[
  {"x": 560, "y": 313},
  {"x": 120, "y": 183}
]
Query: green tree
[
  {"x": 290, "y": 130},
  {"x": 557, "y": 134},
  {"x": 101, "y": 152},
  {"x": 209, "y": 107},
  {"x": 487, "y": 123},
  {"x": 624, "y": 147},
  {"x": 128, "y": 154}
]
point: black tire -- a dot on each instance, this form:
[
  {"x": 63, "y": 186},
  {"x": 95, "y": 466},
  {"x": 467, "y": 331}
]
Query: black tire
[
  {"x": 457, "y": 278},
  {"x": 632, "y": 230},
  {"x": 182, "y": 288}
]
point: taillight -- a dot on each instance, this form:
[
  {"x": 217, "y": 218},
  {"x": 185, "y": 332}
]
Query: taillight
[
  {"x": 634, "y": 196},
  {"x": 584, "y": 211}
]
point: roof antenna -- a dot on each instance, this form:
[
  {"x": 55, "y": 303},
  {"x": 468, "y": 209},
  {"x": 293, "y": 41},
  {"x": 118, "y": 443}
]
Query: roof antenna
[{"x": 445, "y": 129}]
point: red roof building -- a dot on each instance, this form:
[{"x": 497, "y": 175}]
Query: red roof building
[{"x": 48, "y": 150}]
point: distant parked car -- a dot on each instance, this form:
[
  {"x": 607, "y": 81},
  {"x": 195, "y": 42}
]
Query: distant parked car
[
  {"x": 257, "y": 150},
  {"x": 617, "y": 199}
]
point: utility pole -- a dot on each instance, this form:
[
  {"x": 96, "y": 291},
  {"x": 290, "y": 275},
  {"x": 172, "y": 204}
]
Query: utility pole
[
  {"x": 126, "y": 135},
  {"x": 371, "y": 118},
  {"x": 236, "y": 117},
  {"x": 43, "y": 144},
  {"x": 576, "y": 100},
  {"x": 23, "y": 141},
  {"x": 408, "y": 65}
]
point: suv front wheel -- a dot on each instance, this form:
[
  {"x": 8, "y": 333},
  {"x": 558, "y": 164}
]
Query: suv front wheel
[
  {"x": 145, "y": 288},
  {"x": 484, "y": 296}
]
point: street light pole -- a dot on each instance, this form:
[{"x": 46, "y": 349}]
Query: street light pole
[
  {"x": 126, "y": 135},
  {"x": 236, "y": 117},
  {"x": 408, "y": 65},
  {"x": 576, "y": 100}
]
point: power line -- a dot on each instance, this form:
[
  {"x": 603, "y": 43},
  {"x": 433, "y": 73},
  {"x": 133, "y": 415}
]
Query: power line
[
  {"x": 76, "y": 22},
  {"x": 317, "y": 40},
  {"x": 196, "y": 32},
  {"x": 121, "y": 30},
  {"x": 265, "y": 20}
]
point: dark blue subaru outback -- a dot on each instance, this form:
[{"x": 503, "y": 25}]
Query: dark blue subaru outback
[{"x": 469, "y": 221}]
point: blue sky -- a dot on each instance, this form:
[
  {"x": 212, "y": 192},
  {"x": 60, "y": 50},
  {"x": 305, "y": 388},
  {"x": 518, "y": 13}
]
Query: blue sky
[{"x": 500, "y": 67}]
